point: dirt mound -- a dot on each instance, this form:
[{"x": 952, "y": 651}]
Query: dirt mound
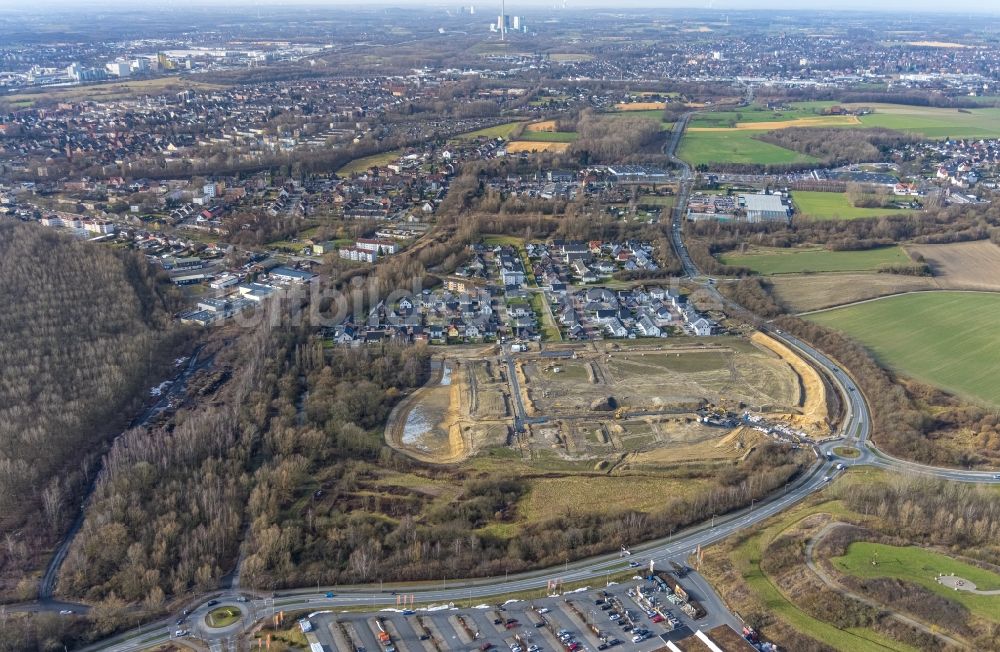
[
  {"x": 813, "y": 402},
  {"x": 604, "y": 404}
]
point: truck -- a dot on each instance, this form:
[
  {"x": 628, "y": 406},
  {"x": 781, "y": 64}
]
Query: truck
[
  {"x": 383, "y": 635},
  {"x": 680, "y": 597}
]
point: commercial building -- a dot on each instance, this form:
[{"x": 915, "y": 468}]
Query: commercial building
[{"x": 764, "y": 208}]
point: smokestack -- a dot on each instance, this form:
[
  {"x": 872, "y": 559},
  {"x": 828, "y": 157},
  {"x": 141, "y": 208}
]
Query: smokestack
[{"x": 503, "y": 21}]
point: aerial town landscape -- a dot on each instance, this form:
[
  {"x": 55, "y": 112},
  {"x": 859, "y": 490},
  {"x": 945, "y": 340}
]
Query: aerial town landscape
[{"x": 520, "y": 327}]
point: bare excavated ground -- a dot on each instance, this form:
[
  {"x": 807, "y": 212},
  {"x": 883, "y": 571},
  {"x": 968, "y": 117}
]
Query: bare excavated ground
[{"x": 612, "y": 403}]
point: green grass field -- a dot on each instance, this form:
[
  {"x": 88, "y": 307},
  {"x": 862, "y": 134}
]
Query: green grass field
[
  {"x": 648, "y": 114},
  {"x": 498, "y": 131},
  {"x": 362, "y": 164},
  {"x": 936, "y": 123},
  {"x": 768, "y": 261},
  {"x": 759, "y": 113},
  {"x": 735, "y": 146},
  {"x": 223, "y": 616},
  {"x": 921, "y": 566},
  {"x": 549, "y": 136},
  {"x": 666, "y": 201},
  {"x": 746, "y": 558},
  {"x": 836, "y": 205},
  {"x": 945, "y": 339}
]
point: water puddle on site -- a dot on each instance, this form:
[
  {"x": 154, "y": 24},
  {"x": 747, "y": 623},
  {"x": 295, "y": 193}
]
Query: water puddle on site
[{"x": 421, "y": 430}]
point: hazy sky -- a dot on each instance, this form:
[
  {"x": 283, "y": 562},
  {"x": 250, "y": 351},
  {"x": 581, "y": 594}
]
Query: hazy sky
[{"x": 952, "y": 6}]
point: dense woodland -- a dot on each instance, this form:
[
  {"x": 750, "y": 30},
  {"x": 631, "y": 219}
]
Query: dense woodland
[
  {"x": 84, "y": 332},
  {"x": 835, "y": 147}
]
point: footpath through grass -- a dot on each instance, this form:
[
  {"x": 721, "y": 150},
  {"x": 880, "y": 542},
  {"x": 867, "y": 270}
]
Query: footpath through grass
[
  {"x": 772, "y": 260},
  {"x": 946, "y": 339},
  {"x": 921, "y": 567},
  {"x": 747, "y": 557}
]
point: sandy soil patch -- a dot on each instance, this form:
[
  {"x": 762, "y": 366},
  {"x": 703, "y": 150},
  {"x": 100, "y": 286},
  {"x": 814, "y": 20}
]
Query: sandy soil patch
[
  {"x": 544, "y": 125},
  {"x": 530, "y": 146},
  {"x": 815, "y": 415},
  {"x": 640, "y": 106},
  {"x": 819, "y": 121}
]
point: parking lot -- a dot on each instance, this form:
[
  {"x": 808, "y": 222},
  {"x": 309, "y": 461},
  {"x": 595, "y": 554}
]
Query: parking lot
[{"x": 635, "y": 615}]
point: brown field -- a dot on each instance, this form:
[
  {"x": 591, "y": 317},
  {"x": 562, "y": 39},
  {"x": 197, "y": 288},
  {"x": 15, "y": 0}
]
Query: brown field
[
  {"x": 937, "y": 44},
  {"x": 544, "y": 125},
  {"x": 734, "y": 445},
  {"x": 807, "y": 292},
  {"x": 554, "y": 497},
  {"x": 957, "y": 266},
  {"x": 566, "y": 57},
  {"x": 529, "y": 146},
  {"x": 963, "y": 265},
  {"x": 821, "y": 121},
  {"x": 640, "y": 106}
]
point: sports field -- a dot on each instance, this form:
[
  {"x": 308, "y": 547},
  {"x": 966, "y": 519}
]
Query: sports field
[
  {"x": 921, "y": 566},
  {"x": 772, "y": 260},
  {"x": 734, "y": 146},
  {"x": 935, "y": 123},
  {"x": 837, "y": 206},
  {"x": 945, "y": 339}
]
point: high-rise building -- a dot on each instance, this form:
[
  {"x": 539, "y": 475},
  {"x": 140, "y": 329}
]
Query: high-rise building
[{"x": 119, "y": 68}]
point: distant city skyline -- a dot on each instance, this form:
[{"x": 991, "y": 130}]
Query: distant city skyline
[{"x": 917, "y": 6}]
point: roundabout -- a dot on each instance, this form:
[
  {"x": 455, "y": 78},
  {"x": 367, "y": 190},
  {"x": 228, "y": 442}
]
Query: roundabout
[{"x": 223, "y": 617}]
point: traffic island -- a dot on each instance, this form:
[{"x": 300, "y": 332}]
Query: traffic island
[
  {"x": 848, "y": 452},
  {"x": 221, "y": 617}
]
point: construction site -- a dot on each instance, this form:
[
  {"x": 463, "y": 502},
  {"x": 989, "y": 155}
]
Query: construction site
[{"x": 612, "y": 402}]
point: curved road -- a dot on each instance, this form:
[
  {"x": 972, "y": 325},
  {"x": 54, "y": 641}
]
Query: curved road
[{"x": 856, "y": 432}]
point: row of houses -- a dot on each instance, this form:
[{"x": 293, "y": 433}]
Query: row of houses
[{"x": 597, "y": 313}]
